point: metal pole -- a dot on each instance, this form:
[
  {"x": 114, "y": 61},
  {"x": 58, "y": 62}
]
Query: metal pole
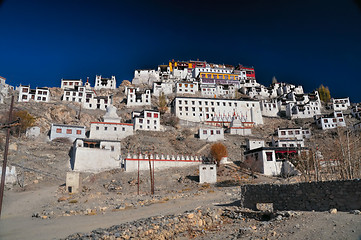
[
  {"x": 151, "y": 176},
  {"x": 2, "y": 186},
  {"x": 138, "y": 176}
]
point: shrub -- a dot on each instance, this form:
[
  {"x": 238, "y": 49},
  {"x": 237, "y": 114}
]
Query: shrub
[
  {"x": 26, "y": 120},
  {"x": 218, "y": 151}
]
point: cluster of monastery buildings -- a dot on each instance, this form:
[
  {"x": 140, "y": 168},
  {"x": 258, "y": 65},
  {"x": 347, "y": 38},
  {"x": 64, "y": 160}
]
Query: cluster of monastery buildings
[{"x": 202, "y": 93}]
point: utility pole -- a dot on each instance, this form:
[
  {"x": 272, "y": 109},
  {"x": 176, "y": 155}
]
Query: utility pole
[{"x": 3, "y": 172}]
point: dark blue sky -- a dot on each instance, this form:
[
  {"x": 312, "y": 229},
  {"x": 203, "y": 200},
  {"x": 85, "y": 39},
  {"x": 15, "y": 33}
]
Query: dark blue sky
[{"x": 302, "y": 42}]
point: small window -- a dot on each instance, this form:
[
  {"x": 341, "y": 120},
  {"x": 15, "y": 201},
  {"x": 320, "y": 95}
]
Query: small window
[
  {"x": 105, "y": 128},
  {"x": 269, "y": 156},
  {"x": 204, "y": 131},
  {"x": 96, "y": 128},
  {"x": 112, "y": 148},
  {"x": 58, "y": 130},
  {"x": 69, "y": 131},
  {"x": 149, "y": 114},
  {"x": 115, "y": 128},
  {"x": 78, "y": 132}
]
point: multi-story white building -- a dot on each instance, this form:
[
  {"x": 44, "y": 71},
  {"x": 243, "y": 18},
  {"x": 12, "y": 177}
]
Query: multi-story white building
[
  {"x": 71, "y": 132},
  {"x": 76, "y": 94},
  {"x": 145, "y": 76},
  {"x": 111, "y": 128},
  {"x": 291, "y": 137},
  {"x": 207, "y": 109},
  {"x": 293, "y": 133},
  {"x": 330, "y": 121},
  {"x": 303, "y": 105},
  {"x": 71, "y": 83},
  {"x": 97, "y": 102},
  {"x": 105, "y": 83},
  {"x": 162, "y": 87},
  {"x": 211, "y": 134},
  {"x": 148, "y": 120},
  {"x": 269, "y": 108},
  {"x": 186, "y": 87},
  {"x": 38, "y": 95},
  {"x": 226, "y": 91},
  {"x": 136, "y": 98},
  {"x": 340, "y": 104},
  {"x": 87, "y": 98}
]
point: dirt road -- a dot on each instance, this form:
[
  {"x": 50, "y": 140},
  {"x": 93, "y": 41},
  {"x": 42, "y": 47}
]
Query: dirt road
[{"x": 17, "y": 223}]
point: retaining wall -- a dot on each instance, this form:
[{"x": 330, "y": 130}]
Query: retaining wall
[{"x": 318, "y": 196}]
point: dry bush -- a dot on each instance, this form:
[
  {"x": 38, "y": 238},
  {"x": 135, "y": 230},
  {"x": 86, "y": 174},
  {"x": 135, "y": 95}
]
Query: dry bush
[
  {"x": 218, "y": 151},
  {"x": 170, "y": 120},
  {"x": 26, "y": 120},
  {"x": 162, "y": 104},
  {"x": 335, "y": 157}
]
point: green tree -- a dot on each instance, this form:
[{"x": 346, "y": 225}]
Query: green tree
[{"x": 324, "y": 93}]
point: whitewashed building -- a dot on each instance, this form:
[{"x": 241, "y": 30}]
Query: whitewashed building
[
  {"x": 207, "y": 109},
  {"x": 293, "y": 133},
  {"x": 162, "y": 87},
  {"x": 88, "y": 98},
  {"x": 207, "y": 173},
  {"x": 76, "y": 94},
  {"x": 330, "y": 121},
  {"x": 105, "y": 83},
  {"x": 269, "y": 108},
  {"x": 145, "y": 76},
  {"x": 303, "y": 105},
  {"x": 254, "y": 143},
  {"x": 211, "y": 134},
  {"x": 148, "y": 120},
  {"x": 186, "y": 87},
  {"x": 136, "y": 98},
  {"x": 38, "y": 95},
  {"x": 71, "y": 83},
  {"x": 216, "y": 91},
  {"x": 111, "y": 128},
  {"x": 273, "y": 161},
  {"x": 97, "y": 102},
  {"x": 340, "y": 104},
  {"x": 94, "y": 155},
  {"x": 66, "y": 131}
]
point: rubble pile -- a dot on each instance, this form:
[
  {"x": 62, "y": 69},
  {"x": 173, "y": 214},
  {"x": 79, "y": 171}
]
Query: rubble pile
[{"x": 189, "y": 224}]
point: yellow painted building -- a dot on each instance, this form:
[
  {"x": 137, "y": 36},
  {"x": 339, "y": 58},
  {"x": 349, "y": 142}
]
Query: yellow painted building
[{"x": 225, "y": 76}]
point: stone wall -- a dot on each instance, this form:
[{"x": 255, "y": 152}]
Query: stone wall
[{"x": 318, "y": 196}]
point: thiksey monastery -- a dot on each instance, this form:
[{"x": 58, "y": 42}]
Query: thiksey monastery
[{"x": 220, "y": 99}]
